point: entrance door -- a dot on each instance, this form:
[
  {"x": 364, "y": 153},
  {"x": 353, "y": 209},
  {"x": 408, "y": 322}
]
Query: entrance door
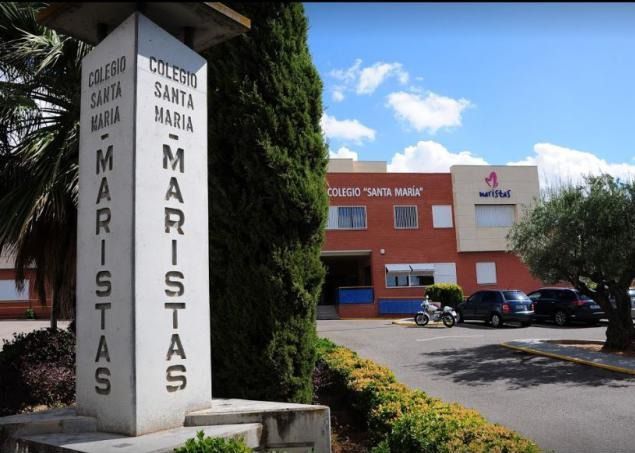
[{"x": 344, "y": 271}]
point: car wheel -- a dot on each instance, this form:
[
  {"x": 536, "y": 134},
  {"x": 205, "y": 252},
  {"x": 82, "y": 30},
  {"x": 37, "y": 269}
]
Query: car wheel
[
  {"x": 459, "y": 317},
  {"x": 560, "y": 318},
  {"x": 496, "y": 320}
]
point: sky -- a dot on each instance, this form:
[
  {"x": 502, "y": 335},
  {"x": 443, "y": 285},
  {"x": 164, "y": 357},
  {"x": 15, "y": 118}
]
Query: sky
[{"x": 424, "y": 86}]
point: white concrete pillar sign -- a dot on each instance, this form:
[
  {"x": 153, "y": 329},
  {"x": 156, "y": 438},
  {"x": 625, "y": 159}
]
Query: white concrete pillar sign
[{"x": 143, "y": 354}]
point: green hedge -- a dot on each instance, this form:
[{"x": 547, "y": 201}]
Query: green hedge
[
  {"x": 402, "y": 420},
  {"x": 447, "y": 293}
]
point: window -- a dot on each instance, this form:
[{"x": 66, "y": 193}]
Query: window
[
  {"x": 485, "y": 273},
  {"x": 442, "y": 216},
  {"x": 491, "y": 297},
  {"x": 347, "y": 218},
  {"x": 567, "y": 296},
  {"x": 8, "y": 291},
  {"x": 394, "y": 280},
  {"x": 421, "y": 279},
  {"x": 495, "y": 215},
  {"x": 402, "y": 275},
  {"x": 422, "y": 274},
  {"x": 515, "y": 295},
  {"x": 475, "y": 298},
  {"x": 406, "y": 217}
]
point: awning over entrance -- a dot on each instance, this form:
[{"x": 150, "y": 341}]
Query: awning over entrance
[
  {"x": 397, "y": 268},
  {"x": 422, "y": 267}
]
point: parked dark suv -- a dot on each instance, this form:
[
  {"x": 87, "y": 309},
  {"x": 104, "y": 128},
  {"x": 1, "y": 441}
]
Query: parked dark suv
[
  {"x": 496, "y": 307},
  {"x": 563, "y": 305}
]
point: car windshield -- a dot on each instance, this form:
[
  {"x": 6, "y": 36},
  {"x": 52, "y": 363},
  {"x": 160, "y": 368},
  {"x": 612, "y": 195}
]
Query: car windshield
[
  {"x": 583, "y": 297},
  {"x": 515, "y": 295}
]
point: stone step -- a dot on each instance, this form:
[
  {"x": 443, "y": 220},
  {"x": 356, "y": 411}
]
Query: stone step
[
  {"x": 63, "y": 421},
  {"x": 159, "y": 442},
  {"x": 287, "y": 426},
  {"x": 327, "y": 312}
]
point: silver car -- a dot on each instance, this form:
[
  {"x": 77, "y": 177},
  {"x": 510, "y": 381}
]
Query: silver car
[{"x": 631, "y": 292}]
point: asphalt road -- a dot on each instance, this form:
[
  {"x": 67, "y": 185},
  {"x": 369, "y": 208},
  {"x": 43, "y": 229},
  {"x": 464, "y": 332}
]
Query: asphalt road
[{"x": 562, "y": 406}]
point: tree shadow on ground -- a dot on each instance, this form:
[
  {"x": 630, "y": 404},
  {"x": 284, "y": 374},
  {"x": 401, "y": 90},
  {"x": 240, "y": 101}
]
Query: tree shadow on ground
[{"x": 484, "y": 365}]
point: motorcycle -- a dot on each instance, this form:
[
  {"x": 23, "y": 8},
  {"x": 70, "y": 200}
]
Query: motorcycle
[{"x": 432, "y": 313}]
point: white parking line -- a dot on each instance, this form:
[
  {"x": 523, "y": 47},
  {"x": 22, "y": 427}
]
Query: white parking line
[{"x": 450, "y": 336}]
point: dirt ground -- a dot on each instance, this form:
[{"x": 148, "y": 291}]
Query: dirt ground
[{"x": 595, "y": 346}]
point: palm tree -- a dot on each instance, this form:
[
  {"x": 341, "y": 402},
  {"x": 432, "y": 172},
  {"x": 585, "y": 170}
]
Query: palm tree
[{"x": 39, "y": 139}]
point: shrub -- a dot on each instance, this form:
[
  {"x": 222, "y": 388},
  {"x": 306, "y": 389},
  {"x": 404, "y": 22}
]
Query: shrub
[
  {"x": 37, "y": 368},
  {"x": 203, "y": 444},
  {"x": 402, "y": 420},
  {"x": 447, "y": 293},
  {"x": 265, "y": 98},
  {"x": 29, "y": 313}
]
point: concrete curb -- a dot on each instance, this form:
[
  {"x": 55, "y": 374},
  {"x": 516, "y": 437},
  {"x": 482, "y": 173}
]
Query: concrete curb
[
  {"x": 409, "y": 322},
  {"x": 570, "y": 359}
]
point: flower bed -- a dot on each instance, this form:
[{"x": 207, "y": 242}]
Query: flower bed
[{"x": 402, "y": 420}]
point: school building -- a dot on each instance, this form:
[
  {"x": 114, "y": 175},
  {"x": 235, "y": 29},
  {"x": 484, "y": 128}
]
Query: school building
[
  {"x": 14, "y": 303},
  {"x": 389, "y": 235}
]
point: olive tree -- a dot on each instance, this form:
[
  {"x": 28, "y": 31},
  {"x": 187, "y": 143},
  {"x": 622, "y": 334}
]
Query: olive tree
[{"x": 584, "y": 234}]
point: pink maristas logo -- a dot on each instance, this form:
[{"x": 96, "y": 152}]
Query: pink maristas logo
[{"x": 492, "y": 180}]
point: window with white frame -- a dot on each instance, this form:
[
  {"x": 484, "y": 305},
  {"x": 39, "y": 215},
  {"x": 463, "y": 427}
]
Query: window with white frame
[
  {"x": 442, "y": 216},
  {"x": 486, "y": 273},
  {"x": 495, "y": 215},
  {"x": 346, "y": 218},
  {"x": 406, "y": 217},
  {"x": 404, "y": 275},
  {"x": 421, "y": 279},
  {"x": 9, "y": 292}
]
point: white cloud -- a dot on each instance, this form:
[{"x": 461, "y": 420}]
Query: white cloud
[
  {"x": 337, "y": 95},
  {"x": 343, "y": 153},
  {"x": 559, "y": 165},
  {"x": 372, "y": 76},
  {"x": 430, "y": 113},
  {"x": 556, "y": 164},
  {"x": 431, "y": 157},
  {"x": 347, "y": 130},
  {"x": 349, "y": 74},
  {"x": 366, "y": 80}
]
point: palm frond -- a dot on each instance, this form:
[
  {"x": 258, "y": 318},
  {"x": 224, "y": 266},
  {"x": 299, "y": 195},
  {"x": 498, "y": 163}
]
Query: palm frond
[{"x": 40, "y": 74}]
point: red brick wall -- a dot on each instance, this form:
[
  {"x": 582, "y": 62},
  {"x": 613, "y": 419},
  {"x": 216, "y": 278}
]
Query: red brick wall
[
  {"x": 423, "y": 245},
  {"x": 16, "y": 309}
]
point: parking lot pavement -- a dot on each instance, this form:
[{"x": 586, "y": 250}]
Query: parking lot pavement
[
  {"x": 10, "y": 326},
  {"x": 563, "y": 406}
]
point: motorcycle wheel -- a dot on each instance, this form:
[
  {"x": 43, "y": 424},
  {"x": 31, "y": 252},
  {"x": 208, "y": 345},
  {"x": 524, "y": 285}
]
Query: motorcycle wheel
[
  {"x": 449, "y": 321},
  {"x": 421, "y": 319}
]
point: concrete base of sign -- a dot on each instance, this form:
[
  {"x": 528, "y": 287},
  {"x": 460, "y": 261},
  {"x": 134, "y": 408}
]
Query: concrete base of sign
[{"x": 263, "y": 425}]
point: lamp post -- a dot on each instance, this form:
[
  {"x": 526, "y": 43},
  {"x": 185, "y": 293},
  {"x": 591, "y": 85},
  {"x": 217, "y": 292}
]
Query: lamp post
[{"x": 143, "y": 350}]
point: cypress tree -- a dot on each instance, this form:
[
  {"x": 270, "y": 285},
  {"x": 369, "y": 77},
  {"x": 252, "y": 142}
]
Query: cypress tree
[{"x": 268, "y": 205}]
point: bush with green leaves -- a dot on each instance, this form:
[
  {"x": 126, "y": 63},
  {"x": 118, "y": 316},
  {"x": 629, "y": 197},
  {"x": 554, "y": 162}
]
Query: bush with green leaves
[
  {"x": 206, "y": 444},
  {"x": 447, "y": 293},
  {"x": 402, "y": 420},
  {"x": 37, "y": 368}
]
